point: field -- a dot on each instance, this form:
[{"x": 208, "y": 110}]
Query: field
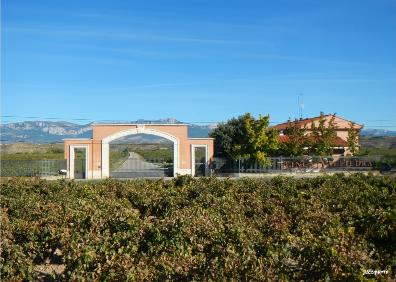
[
  {"x": 325, "y": 228},
  {"x": 26, "y": 151},
  {"x": 380, "y": 146},
  {"x": 385, "y": 142}
]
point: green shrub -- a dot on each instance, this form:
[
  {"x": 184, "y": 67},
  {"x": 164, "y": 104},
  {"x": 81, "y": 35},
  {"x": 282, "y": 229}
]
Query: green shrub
[{"x": 325, "y": 228}]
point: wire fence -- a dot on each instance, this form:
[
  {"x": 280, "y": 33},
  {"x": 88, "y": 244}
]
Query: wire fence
[{"x": 11, "y": 168}]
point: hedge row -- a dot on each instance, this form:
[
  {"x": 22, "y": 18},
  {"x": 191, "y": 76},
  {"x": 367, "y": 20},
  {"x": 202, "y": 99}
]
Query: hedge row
[{"x": 324, "y": 228}]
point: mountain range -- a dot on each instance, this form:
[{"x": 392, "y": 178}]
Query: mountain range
[
  {"x": 378, "y": 132},
  {"x": 54, "y": 131}
]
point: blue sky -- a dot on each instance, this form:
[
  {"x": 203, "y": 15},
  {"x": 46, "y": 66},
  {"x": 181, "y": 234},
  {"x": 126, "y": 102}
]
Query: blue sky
[{"x": 198, "y": 61}]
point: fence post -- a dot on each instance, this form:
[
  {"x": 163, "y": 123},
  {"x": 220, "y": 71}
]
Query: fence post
[
  {"x": 281, "y": 163},
  {"x": 239, "y": 167}
]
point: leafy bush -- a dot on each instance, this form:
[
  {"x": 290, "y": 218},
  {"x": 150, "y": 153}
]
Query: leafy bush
[{"x": 324, "y": 228}]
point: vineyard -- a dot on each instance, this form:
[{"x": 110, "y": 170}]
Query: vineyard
[{"x": 324, "y": 228}]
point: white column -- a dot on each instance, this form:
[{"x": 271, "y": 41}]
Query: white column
[
  {"x": 71, "y": 162},
  {"x": 105, "y": 160},
  {"x": 175, "y": 158}
]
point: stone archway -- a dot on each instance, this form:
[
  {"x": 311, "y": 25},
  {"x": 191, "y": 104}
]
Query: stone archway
[{"x": 132, "y": 131}]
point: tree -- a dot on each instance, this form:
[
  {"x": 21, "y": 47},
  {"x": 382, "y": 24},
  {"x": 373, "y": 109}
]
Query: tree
[
  {"x": 353, "y": 138},
  {"x": 226, "y": 135},
  {"x": 323, "y": 136},
  {"x": 246, "y": 137},
  {"x": 297, "y": 140}
]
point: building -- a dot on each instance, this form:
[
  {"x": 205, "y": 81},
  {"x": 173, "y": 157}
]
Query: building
[
  {"x": 342, "y": 126},
  {"x": 96, "y": 149}
]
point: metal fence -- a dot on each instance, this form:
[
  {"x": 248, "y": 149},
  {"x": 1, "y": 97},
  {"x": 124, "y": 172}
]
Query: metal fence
[
  {"x": 10, "y": 168},
  {"x": 305, "y": 164}
]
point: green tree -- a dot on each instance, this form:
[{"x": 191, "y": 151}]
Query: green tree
[
  {"x": 227, "y": 135},
  {"x": 353, "y": 138},
  {"x": 297, "y": 140},
  {"x": 323, "y": 136},
  {"x": 246, "y": 137}
]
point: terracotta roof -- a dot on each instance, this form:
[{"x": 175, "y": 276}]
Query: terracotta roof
[
  {"x": 308, "y": 121},
  {"x": 300, "y": 122},
  {"x": 338, "y": 141},
  {"x": 283, "y": 138}
]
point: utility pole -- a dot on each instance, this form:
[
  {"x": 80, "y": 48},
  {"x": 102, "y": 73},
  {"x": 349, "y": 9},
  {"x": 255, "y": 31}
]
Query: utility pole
[{"x": 300, "y": 105}]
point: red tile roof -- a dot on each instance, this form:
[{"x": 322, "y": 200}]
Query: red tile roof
[
  {"x": 300, "y": 122},
  {"x": 339, "y": 142},
  {"x": 308, "y": 121},
  {"x": 283, "y": 138}
]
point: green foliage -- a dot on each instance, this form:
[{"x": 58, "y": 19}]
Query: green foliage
[
  {"x": 55, "y": 150},
  {"x": 325, "y": 228},
  {"x": 353, "y": 139},
  {"x": 159, "y": 153},
  {"x": 246, "y": 137},
  {"x": 323, "y": 136},
  {"x": 227, "y": 135},
  {"x": 297, "y": 140}
]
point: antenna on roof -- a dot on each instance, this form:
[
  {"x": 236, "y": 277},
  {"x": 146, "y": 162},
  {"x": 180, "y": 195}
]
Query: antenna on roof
[{"x": 300, "y": 105}]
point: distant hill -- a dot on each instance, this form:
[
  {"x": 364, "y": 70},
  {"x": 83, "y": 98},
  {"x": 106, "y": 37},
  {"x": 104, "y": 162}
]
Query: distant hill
[
  {"x": 42, "y": 131},
  {"x": 37, "y": 132},
  {"x": 377, "y": 132},
  {"x": 196, "y": 131}
]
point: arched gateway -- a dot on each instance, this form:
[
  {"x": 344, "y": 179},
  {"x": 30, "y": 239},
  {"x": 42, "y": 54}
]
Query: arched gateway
[{"x": 97, "y": 148}]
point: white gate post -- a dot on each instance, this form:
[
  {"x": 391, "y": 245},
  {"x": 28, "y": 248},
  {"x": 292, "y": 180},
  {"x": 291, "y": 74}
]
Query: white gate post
[{"x": 105, "y": 159}]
